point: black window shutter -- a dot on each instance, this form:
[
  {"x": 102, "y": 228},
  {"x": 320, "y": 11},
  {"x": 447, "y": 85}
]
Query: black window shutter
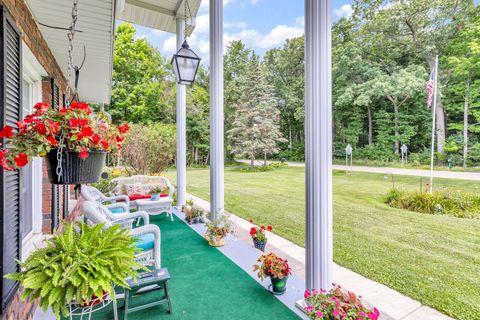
[{"x": 10, "y": 113}]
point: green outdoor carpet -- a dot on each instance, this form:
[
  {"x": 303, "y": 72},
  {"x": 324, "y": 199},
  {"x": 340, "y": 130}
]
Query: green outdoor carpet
[{"x": 204, "y": 283}]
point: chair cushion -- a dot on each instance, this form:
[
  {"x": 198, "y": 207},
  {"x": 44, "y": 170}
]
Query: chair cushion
[
  {"x": 116, "y": 210},
  {"x": 134, "y": 197},
  {"x": 145, "y": 241},
  {"x": 163, "y": 195}
]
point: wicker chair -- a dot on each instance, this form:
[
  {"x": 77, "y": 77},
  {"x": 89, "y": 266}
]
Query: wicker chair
[
  {"x": 90, "y": 193},
  {"x": 148, "y": 235}
]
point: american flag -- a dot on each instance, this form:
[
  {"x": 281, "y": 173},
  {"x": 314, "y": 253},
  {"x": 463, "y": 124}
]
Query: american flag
[{"x": 431, "y": 88}]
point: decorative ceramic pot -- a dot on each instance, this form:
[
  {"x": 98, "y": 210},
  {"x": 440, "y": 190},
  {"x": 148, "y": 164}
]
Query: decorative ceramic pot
[
  {"x": 75, "y": 170},
  {"x": 279, "y": 286},
  {"x": 155, "y": 196},
  {"x": 218, "y": 241},
  {"x": 260, "y": 245}
]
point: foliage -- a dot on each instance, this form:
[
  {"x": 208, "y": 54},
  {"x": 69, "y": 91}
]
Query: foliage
[
  {"x": 78, "y": 264},
  {"x": 149, "y": 149},
  {"x": 271, "y": 265},
  {"x": 268, "y": 167},
  {"x": 259, "y": 234},
  {"x": 454, "y": 203},
  {"x": 40, "y": 132},
  {"x": 219, "y": 228},
  {"x": 336, "y": 304},
  {"x": 143, "y": 87},
  {"x": 157, "y": 190},
  {"x": 255, "y": 129}
]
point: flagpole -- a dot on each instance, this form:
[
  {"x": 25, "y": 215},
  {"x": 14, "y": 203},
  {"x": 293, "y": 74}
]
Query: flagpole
[{"x": 434, "y": 113}]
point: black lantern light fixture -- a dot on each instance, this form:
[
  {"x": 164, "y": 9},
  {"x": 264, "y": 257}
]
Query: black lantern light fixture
[{"x": 185, "y": 62}]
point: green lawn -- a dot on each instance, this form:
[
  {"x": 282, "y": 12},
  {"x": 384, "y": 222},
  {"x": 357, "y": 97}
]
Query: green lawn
[{"x": 433, "y": 259}]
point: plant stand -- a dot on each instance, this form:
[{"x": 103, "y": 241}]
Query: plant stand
[
  {"x": 76, "y": 311},
  {"x": 148, "y": 282}
]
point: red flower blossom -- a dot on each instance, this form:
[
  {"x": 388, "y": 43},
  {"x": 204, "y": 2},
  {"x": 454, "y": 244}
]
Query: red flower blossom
[
  {"x": 105, "y": 144},
  {"x": 251, "y": 221},
  {"x": 40, "y": 128},
  {"x": 7, "y": 132},
  {"x": 54, "y": 127},
  {"x": 119, "y": 138},
  {"x": 40, "y": 108},
  {"x": 63, "y": 110},
  {"x": 95, "y": 138},
  {"x": 52, "y": 140},
  {"x": 21, "y": 160},
  {"x": 262, "y": 227},
  {"x": 81, "y": 106},
  {"x": 3, "y": 153},
  {"x": 253, "y": 231},
  {"x": 124, "y": 128},
  {"x": 86, "y": 132},
  {"x": 83, "y": 153},
  {"x": 269, "y": 228}
]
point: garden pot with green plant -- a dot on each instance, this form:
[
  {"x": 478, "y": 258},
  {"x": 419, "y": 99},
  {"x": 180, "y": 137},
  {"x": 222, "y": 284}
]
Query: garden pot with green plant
[
  {"x": 218, "y": 230},
  {"x": 276, "y": 268},
  {"x": 78, "y": 267},
  {"x": 336, "y": 304},
  {"x": 259, "y": 236},
  {"x": 73, "y": 137},
  {"x": 155, "y": 193}
]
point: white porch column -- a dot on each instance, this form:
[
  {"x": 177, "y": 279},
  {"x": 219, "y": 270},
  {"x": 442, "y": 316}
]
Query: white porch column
[
  {"x": 216, "y": 108},
  {"x": 181, "y": 101},
  {"x": 318, "y": 135}
]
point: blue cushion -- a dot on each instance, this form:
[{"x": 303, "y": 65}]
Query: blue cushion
[
  {"x": 145, "y": 241},
  {"x": 116, "y": 210}
]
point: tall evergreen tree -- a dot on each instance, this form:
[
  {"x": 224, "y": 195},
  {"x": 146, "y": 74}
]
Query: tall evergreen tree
[{"x": 255, "y": 129}]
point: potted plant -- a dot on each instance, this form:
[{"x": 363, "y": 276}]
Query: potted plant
[
  {"x": 74, "y": 136},
  {"x": 259, "y": 236},
  {"x": 336, "y": 304},
  {"x": 217, "y": 230},
  {"x": 276, "y": 268},
  {"x": 79, "y": 266},
  {"x": 155, "y": 193}
]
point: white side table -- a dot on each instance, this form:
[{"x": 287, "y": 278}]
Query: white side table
[{"x": 154, "y": 207}]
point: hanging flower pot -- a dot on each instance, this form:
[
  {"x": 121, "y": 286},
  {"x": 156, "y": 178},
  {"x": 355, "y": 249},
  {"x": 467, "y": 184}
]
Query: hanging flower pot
[
  {"x": 85, "y": 138},
  {"x": 75, "y": 170}
]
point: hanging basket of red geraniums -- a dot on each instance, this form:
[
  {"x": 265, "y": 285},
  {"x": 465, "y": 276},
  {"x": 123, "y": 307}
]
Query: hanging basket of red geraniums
[{"x": 83, "y": 138}]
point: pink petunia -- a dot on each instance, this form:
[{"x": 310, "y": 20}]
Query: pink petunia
[
  {"x": 319, "y": 314},
  {"x": 306, "y": 294},
  {"x": 336, "y": 313}
]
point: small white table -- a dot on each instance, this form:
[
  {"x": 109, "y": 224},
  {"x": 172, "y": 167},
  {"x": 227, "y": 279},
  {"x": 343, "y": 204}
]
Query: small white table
[{"x": 154, "y": 207}]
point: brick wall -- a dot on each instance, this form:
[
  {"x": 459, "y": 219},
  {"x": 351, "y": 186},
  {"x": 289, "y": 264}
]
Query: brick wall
[{"x": 31, "y": 35}]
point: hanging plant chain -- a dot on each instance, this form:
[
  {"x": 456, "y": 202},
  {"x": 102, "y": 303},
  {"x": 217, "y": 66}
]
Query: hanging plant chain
[{"x": 70, "y": 35}]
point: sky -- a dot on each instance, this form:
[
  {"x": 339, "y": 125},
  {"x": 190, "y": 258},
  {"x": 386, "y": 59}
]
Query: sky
[{"x": 260, "y": 24}]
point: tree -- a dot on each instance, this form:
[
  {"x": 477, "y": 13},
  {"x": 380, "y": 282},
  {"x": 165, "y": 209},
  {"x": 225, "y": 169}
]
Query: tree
[
  {"x": 421, "y": 27},
  {"x": 463, "y": 62},
  {"x": 142, "y": 82},
  {"x": 255, "y": 128}
]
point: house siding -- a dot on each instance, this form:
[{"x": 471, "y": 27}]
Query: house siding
[{"x": 31, "y": 35}]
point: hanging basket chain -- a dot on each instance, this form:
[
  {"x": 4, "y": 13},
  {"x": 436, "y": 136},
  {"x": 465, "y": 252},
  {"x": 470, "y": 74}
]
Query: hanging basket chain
[{"x": 70, "y": 35}]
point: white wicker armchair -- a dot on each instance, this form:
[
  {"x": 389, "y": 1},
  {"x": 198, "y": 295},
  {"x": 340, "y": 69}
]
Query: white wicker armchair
[
  {"x": 97, "y": 213},
  {"x": 90, "y": 193}
]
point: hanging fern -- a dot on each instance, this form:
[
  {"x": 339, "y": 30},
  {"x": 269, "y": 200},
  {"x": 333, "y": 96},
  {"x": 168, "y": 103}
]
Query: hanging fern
[{"x": 77, "y": 264}]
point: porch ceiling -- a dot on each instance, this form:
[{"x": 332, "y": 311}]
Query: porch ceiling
[
  {"x": 157, "y": 14},
  {"x": 96, "y": 22}
]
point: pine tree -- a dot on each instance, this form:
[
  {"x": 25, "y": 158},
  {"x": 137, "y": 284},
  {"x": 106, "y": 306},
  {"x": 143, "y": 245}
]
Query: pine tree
[{"x": 256, "y": 128}]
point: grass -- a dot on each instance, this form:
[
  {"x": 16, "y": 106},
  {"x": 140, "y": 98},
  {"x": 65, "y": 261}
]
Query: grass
[{"x": 434, "y": 259}]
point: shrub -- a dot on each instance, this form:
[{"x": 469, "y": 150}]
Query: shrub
[
  {"x": 453, "y": 203},
  {"x": 149, "y": 149}
]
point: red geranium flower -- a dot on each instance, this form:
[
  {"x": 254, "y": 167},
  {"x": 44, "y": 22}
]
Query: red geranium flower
[
  {"x": 251, "y": 221},
  {"x": 40, "y": 128},
  {"x": 86, "y": 132},
  {"x": 104, "y": 144},
  {"x": 3, "y": 153},
  {"x": 269, "y": 228},
  {"x": 253, "y": 231},
  {"x": 119, "y": 139},
  {"x": 41, "y": 107},
  {"x": 123, "y": 128},
  {"x": 262, "y": 227},
  {"x": 95, "y": 138},
  {"x": 81, "y": 106},
  {"x": 54, "y": 126},
  {"x": 7, "y": 132},
  {"x": 21, "y": 160},
  {"x": 83, "y": 153},
  {"x": 52, "y": 140}
]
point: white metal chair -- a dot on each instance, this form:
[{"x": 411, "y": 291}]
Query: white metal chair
[
  {"x": 148, "y": 235},
  {"x": 90, "y": 193}
]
